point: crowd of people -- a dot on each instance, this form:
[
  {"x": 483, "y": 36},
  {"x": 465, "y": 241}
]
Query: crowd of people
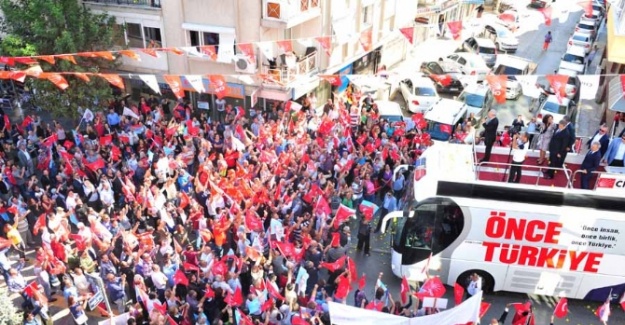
[{"x": 241, "y": 217}]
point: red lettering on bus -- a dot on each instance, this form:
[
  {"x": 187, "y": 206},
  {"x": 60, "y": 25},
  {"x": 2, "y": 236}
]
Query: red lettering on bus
[
  {"x": 534, "y": 231},
  {"x": 542, "y": 257}
]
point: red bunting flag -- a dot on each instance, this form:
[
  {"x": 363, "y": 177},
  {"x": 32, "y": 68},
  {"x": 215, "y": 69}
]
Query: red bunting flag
[
  {"x": 326, "y": 44},
  {"x": 558, "y": 84},
  {"x": 458, "y": 293},
  {"x": 366, "y": 39},
  {"x": 210, "y": 51},
  {"x": 285, "y": 45},
  {"x": 67, "y": 57},
  {"x": 101, "y": 54},
  {"x": 547, "y": 14},
  {"x": 130, "y": 54},
  {"x": 455, "y": 28},
  {"x": 497, "y": 84},
  {"x": 150, "y": 52},
  {"x": 334, "y": 80},
  {"x": 562, "y": 308},
  {"x": 248, "y": 50},
  {"x": 218, "y": 85},
  {"x": 180, "y": 278},
  {"x": 408, "y": 32},
  {"x": 175, "y": 84},
  {"x": 404, "y": 290},
  {"x": 113, "y": 79}
]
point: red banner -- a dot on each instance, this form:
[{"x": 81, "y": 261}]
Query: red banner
[
  {"x": 130, "y": 54},
  {"x": 218, "y": 85},
  {"x": 547, "y": 14},
  {"x": 497, "y": 85},
  {"x": 455, "y": 28},
  {"x": 247, "y": 49},
  {"x": 326, "y": 43},
  {"x": 175, "y": 84},
  {"x": 587, "y": 5},
  {"x": 210, "y": 51},
  {"x": 113, "y": 79},
  {"x": 408, "y": 32},
  {"x": 334, "y": 80},
  {"x": 108, "y": 55},
  {"x": 285, "y": 45},
  {"x": 82, "y": 76},
  {"x": 56, "y": 79},
  {"x": 150, "y": 52},
  {"x": 366, "y": 39},
  {"x": 558, "y": 83},
  {"x": 67, "y": 57}
]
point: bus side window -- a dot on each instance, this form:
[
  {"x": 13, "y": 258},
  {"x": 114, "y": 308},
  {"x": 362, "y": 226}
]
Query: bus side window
[{"x": 419, "y": 234}]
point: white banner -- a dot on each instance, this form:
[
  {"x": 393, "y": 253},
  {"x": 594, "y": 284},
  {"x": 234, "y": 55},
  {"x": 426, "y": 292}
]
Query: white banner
[
  {"x": 150, "y": 80},
  {"x": 528, "y": 85},
  {"x": 225, "y": 53},
  {"x": 196, "y": 82},
  {"x": 466, "y": 312},
  {"x": 267, "y": 49},
  {"x": 589, "y": 85}
]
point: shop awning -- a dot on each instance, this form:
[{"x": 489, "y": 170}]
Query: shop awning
[{"x": 616, "y": 94}]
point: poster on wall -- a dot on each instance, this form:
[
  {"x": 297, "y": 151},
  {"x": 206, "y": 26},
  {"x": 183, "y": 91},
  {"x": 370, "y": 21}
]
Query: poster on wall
[{"x": 203, "y": 105}]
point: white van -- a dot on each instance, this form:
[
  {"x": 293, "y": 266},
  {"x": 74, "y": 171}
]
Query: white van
[
  {"x": 442, "y": 118},
  {"x": 389, "y": 111},
  {"x": 503, "y": 38},
  {"x": 513, "y": 66}
]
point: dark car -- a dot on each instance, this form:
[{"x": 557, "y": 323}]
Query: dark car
[
  {"x": 539, "y": 4},
  {"x": 445, "y": 78}
]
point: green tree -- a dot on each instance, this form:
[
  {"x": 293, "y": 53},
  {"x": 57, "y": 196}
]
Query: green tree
[{"x": 45, "y": 27}]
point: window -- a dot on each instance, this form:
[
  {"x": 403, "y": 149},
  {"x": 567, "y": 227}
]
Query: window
[
  {"x": 367, "y": 15},
  {"x": 134, "y": 35},
  {"x": 153, "y": 36},
  {"x": 203, "y": 38}
]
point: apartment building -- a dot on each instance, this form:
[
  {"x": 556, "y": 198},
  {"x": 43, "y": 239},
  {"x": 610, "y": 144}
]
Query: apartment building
[
  {"x": 613, "y": 61},
  {"x": 192, "y": 25}
]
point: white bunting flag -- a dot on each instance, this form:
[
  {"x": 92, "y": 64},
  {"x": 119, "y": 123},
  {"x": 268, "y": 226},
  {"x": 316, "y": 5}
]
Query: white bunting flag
[
  {"x": 193, "y": 51},
  {"x": 150, "y": 80},
  {"x": 87, "y": 115},
  {"x": 267, "y": 49},
  {"x": 528, "y": 85},
  {"x": 589, "y": 85},
  {"x": 225, "y": 53},
  {"x": 196, "y": 83}
]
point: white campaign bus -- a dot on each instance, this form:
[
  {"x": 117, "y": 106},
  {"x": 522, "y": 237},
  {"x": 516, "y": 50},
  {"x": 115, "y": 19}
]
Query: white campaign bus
[{"x": 517, "y": 237}]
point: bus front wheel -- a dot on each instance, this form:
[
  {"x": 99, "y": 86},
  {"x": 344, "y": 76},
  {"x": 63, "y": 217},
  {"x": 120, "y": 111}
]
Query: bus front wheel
[{"x": 488, "y": 282}]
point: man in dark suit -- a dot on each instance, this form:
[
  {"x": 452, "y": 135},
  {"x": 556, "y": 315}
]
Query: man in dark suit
[
  {"x": 558, "y": 148},
  {"x": 572, "y": 138},
  {"x": 490, "y": 124},
  {"x": 602, "y": 137},
  {"x": 590, "y": 164}
]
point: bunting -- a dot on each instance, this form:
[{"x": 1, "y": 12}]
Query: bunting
[
  {"x": 366, "y": 39},
  {"x": 408, "y": 32},
  {"x": 326, "y": 44},
  {"x": 113, "y": 79},
  {"x": 175, "y": 84}
]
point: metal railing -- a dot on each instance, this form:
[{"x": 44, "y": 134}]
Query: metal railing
[
  {"x": 286, "y": 74},
  {"x": 579, "y": 171},
  {"x": 540, "y": 169},
  {"x": 139, "y": 3}
]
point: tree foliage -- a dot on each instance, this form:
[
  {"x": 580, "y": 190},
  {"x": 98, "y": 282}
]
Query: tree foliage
[{"x": 45, "y": 27}]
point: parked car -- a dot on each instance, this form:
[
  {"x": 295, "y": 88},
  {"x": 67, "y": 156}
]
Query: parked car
[
  {"x": 469, "y": 64},
  {"x": 581, "y": 40},
  {"x": 572, "y": 85},
  {"x": 503, "y": 38},
  {"x": 445, "y": 77},
  {"x": 419, "y": 93},
  {"x": 586, "y": 28},
  {"x": 482, "y": 46},
  {"x": 512, "y": 66},
  {"x": 574, "y": 59},
  {"x": 557, "y": 107},
  {"x": 540, "y": 4},
  {"x": 389, "y": 111},
  {"x": 478, "y": 99}
]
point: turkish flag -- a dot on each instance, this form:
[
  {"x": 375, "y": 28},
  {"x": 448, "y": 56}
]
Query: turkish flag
[
  {"x": 351, "y": 266},
  {"x": 96, "y": 165},
  {"x": 273, "y": 292},
  {"x": 180, "y": 278},
  {"x": 219, "y": 268},
  {"x": 342, "y": 288},
  {"x": 41, "y": 223},
  {"x": 373, "y": 305},
  {"x": 562, "y": 308},
  {"x": 366, "y": 39},
  {"x": 445, "y": 128},
  {"x": 419, "y": 120},
  {"x": 315, "y": 191},
  {"x": 286, "y": 248},
  {"x": 247, "y": 49},
  {"x": 161, "y": 308},
  {"x": 115, "y": 153},
  {"x": 335, "y": 266},
  {"x": 405, "y": 289},
  {"x": 497, "y": 84},
  {"x": 252, "y": 222},
  {"x": 323, "y": 206},
  {"x": 245, "y": 319},
  {"x": 210, "y": 51},
  {"x": 218, "y": 85},
  {"x": 484, "y": 306},
  {"x": 326, "y": 43},
  {"x": 523, "y": 314},
  {"x": 433, "y": 287},
  {"x": 31, "y": 288},
  {"x": 106, "y": 140},
  {"x": 547, "y": 14},
  {"x": 175, "y": 84},
  {"x": 343, "y": 214},
  {"x": 184, "y": 200},
  {"x": 458, "y": 293},
  {"x": 267, "y": 305},
  {"x": 362, "y": 282},
  {"x": 455, "y": 28},
  {"x": 299, "y": 320},
  {"x": 334, "y": 80},
  {"x": 80, "y": 242},
  {"x": 408, "y": 32},
  {"x": 558, "y": 83},
  {"x": 443, "y": 79},
  {"x": 234, "y": 299},
  {"x": 190, "y": 267}
]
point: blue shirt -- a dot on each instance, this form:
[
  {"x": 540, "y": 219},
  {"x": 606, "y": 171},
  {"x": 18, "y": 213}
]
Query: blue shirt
[
  {"x": 112, "y": 119},
  {"x": 115, "y": 290},
  {"x": 398, "y": 184},
  {"x": 390, "y": 203}
]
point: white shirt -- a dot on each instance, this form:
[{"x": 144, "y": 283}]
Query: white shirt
[
  {"x": 597, "y": 137},
  {"x": 518, "y": 155},
  {"x": 475, "y": 286},
  {"x": 160, "y": 280}
]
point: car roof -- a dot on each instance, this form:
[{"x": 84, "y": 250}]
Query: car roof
[
  {"x": 446, "y": 111},
  {"x": 388, "y": 108},
  {"x": 576, "y": 50},
  {"x": 512, "y": 61},
  {"x": 486, "y": 42},
  {"x": 468, "y": 56},
  {"x": 564, "y": 101},
  {"x": 587, "y": 21},
  {"x": 567, "y": 72},
  {"x": 581, "y": 35},
  {"x": 474, "y": 88},
  {"x": 422, "y": 82}
]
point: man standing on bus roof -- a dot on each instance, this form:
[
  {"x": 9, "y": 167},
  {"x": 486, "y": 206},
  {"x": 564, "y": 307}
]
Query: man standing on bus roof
[
  {"x": 590, "y": 164},
  {"x": 616, "y": 152},
  {"x": 557, "y": 148},
  {"x": 475, "y": 285},
  {"x": 520, "y": 145},
  {"x": 490, "y": 124}
]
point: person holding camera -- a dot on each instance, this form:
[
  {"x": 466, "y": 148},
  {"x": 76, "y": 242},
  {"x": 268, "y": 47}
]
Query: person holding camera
[{"x": 520, "y": 145}]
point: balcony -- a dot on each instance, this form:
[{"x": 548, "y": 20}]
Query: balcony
[
  {"x": 131, "y": 3},
  {"x": 283, "y": 14},
  {"x": 290, "y": 69}
]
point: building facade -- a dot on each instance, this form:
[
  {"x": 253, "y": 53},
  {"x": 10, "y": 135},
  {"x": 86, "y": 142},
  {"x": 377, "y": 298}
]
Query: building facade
[{"x": 613, "y": 62}]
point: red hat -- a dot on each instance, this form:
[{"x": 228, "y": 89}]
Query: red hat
[{"x": 336, "y": 240}]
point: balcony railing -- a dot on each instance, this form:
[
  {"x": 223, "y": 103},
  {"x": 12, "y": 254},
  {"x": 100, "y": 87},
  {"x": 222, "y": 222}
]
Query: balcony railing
[
  {"x": 286, "y": 74},
  {"x": 290, "y": 12},
  {"x": 138, "y": 3}
]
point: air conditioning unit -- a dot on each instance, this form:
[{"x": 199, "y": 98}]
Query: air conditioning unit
[{"x": 244, "y": 64}]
